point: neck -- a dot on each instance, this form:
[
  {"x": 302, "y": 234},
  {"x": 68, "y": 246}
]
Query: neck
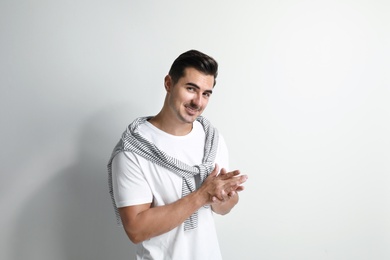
[{"x": 170, "y": 125}]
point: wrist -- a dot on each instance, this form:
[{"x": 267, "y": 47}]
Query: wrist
[{"x": 200, "y": 198}]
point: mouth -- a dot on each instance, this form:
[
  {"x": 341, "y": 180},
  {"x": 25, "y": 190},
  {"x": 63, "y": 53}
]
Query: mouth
[{"x": 192, "y": 110}]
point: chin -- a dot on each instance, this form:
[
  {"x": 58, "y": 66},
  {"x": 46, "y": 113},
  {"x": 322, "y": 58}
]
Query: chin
[{"x": 189, "y": 119}]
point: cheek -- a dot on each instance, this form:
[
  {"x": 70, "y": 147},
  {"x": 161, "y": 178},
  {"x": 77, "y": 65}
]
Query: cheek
[
  {"x": 186, "y": 97},
  {"x": 204, "y": 105}
]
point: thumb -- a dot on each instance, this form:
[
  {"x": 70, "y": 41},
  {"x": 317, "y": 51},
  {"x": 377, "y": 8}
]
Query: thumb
[{"x": 215, "y": 171}]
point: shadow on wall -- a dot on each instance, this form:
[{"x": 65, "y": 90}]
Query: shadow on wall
[{"x": 71, "y": 217}]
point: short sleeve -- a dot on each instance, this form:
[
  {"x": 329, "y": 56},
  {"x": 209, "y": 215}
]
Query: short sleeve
[
  {"x": 222, "y": 158},
  {"x": 129, "y": 184}
]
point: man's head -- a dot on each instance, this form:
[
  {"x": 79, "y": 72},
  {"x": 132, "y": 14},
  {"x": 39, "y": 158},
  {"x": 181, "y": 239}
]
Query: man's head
[
  {"x": 189, "y": 85},
  {"x": 193, "y": 59}
]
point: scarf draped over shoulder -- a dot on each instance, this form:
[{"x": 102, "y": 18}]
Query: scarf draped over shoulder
[{"x": 134, "y": 142}]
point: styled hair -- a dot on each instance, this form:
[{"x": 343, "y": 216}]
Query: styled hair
[{"x": 193, "y": 59}]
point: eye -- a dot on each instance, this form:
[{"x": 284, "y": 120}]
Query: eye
[
  {"x": 207, "y": 94},
  {"x": 192, "y": 89}
]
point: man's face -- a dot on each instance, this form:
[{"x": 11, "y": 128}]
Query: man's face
[{"x": 190, "y": 95}]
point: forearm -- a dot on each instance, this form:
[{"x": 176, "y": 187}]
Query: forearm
[{"x": 155, "y": 221}]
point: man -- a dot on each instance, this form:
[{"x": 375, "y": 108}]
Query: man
[{"x": 164, "y": 174}]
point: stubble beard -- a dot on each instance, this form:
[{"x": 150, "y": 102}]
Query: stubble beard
[{"x": 187, "y": 117}]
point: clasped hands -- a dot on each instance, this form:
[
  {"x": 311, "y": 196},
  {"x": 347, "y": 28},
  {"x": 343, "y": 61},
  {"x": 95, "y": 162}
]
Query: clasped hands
[{"x": 220, "y": 186}]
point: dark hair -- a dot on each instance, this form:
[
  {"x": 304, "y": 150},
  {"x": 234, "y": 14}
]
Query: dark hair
[{"x": 193, "y": 59}]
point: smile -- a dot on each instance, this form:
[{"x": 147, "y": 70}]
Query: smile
[{"x": 192, "y": 110}]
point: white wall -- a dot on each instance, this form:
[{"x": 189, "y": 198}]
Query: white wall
[{"x": 302, "y": 99}]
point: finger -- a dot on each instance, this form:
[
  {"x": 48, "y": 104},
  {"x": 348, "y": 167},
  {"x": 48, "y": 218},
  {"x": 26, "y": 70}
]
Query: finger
[
  {"x": 216, "y": 199},
  {"x": 225, "y": 195},
  {"x": 234, "y": 183},
  {"x": 222, "y": 195},
  {"x": 232, "y": 194},
  {"x": 229, "y": 175},
  {"x": 223, "y": 171},
  {"x": 215, "y": 171},
  {"x": 243, "y": 178},
  {"x": 240, "y": 188}
]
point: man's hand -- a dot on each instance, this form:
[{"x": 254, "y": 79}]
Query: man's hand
[
  {"x": 221, "y": 187},
  {"x": 227, "y": 175}
]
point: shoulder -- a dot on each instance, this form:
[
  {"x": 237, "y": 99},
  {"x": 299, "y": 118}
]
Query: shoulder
[{"x": 126, "y": 160}]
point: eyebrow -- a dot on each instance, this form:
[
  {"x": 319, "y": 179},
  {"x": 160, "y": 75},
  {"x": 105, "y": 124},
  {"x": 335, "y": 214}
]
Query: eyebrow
[{"x": 196, "y": 86}]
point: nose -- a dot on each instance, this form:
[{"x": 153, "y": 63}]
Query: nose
[{"x": 197, "y": 100}]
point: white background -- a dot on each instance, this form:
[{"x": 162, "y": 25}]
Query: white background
[{"x": 302, "y": 99}]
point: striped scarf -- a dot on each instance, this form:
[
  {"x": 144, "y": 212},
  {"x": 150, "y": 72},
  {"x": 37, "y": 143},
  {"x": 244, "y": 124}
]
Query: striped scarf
[{"x": 134, "y": 142}]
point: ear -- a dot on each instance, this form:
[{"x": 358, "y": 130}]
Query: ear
[{"x": 168, "y": 83}]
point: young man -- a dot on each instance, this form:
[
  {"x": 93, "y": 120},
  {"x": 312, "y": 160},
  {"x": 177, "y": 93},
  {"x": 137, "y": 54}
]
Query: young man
[{"x": 168, "y": 174}]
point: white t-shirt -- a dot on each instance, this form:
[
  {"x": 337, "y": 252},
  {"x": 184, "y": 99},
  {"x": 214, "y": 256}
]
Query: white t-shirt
[{"x": 137, "y": 181}]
